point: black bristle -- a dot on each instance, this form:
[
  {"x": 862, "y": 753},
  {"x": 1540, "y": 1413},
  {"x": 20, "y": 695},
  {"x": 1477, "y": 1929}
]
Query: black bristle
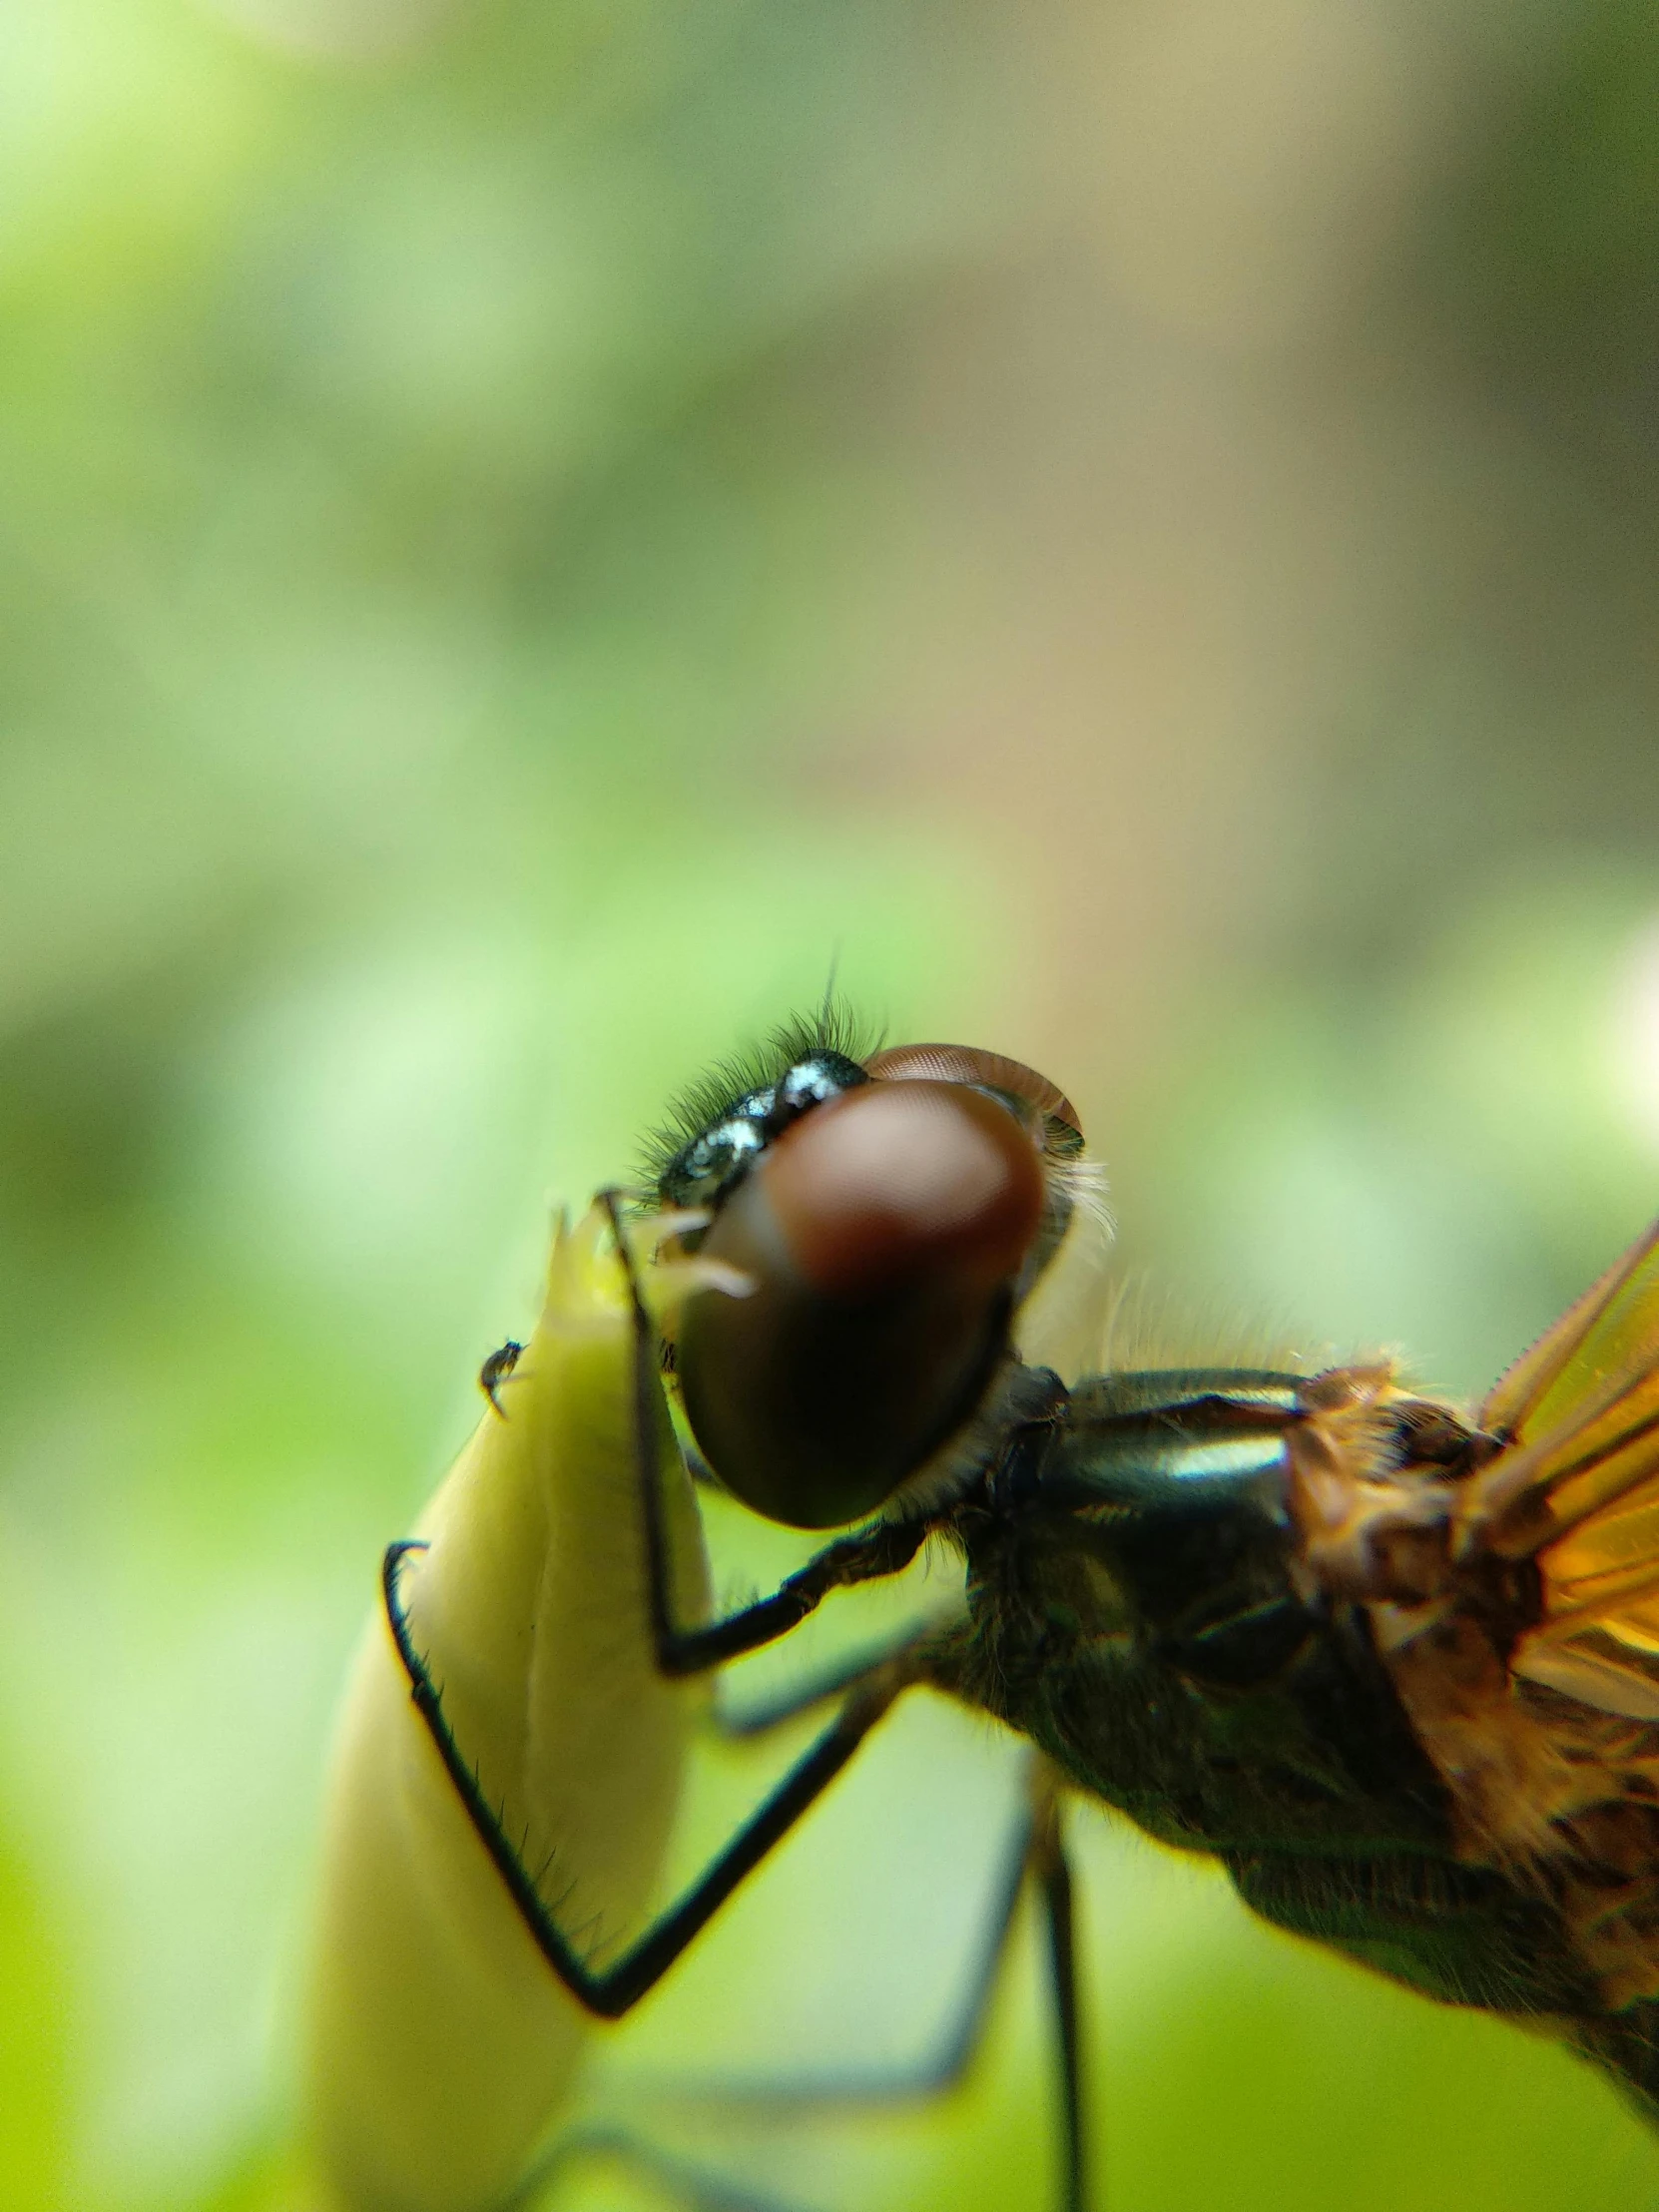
[{"x": 832, "y": 1027}]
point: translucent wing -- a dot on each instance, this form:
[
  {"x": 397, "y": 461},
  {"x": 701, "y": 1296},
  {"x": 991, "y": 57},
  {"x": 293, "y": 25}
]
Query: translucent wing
[
  {"x": 1576, "y": 1488},
  {"x": 1596, "y": 1340}
]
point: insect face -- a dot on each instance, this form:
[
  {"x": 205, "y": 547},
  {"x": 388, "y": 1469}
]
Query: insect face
[
  {"x": 882, "y": 1234},
  {"x": 887, "y": 1216}
]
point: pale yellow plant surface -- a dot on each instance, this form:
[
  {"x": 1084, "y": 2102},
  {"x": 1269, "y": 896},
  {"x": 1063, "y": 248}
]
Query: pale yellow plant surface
[{"x": 441, "y": 2050}]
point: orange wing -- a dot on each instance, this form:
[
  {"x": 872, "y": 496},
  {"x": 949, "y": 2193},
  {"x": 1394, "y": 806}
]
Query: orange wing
[{"x": 1576, "y": 1488}]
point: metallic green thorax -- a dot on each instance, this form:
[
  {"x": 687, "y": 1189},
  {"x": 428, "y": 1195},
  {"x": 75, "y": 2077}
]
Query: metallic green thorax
[{"x": 1134, "y": 1611}]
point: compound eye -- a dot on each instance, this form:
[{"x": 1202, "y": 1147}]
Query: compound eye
[
  {"x": 991, "y": 1071},
  {"x": 883, "y": 1233}
]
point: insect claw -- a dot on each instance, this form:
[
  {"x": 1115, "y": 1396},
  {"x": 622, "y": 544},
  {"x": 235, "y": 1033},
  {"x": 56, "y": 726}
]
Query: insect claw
[
  {"x": 679, "y": 1221},
  {"x": 676, "y": 1279}
]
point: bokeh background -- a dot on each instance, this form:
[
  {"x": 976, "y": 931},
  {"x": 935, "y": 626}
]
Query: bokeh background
[{"x": 528, "y": 530}]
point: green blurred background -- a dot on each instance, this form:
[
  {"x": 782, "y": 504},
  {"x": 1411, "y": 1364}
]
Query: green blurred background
[{"x": 527, "y": 529}]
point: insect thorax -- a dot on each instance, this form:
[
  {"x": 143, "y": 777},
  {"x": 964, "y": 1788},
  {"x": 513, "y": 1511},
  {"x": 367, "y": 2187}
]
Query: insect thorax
[
  {"x": 1239, "y": 1718},
  {"x": 1155, "y": 1634}
]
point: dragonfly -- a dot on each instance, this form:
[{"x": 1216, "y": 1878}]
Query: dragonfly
[{"x": 1392, "y": 1663}]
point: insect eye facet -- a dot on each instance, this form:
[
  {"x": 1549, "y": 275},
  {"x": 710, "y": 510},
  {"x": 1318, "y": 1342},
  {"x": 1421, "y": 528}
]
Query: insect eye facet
[
  {"x": 883, "y": 1233},
  {"x": 1011, "y": 1081}
]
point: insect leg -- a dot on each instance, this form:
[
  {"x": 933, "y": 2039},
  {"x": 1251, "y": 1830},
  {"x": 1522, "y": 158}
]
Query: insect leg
[
  {"x": 699, "y": 1469},
  {"x": 885, "y": 1549},
  {"x": 1037, "y": 1856},
  {"x": 615, "y": 1988},
  {"x": 1053, "y": 1872},
  {"x": 742, "y": 1723}
]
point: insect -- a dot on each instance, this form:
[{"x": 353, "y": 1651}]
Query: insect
[
  {"x": 496, "y": 1369},
  {"x": 1396, "y": 1667}
]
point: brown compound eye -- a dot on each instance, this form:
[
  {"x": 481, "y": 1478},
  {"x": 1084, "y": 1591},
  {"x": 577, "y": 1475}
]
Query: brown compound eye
[
  {"x": 992, "y": 1071},
  {"x": 883, "y": 1233}
]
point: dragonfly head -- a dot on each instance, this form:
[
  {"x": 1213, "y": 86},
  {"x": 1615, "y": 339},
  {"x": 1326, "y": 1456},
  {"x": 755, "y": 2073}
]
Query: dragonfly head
[{"x": 887, "y": 1216}]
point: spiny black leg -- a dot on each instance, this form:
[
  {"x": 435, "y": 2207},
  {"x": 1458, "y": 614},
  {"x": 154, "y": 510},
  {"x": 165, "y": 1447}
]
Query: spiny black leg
[
  {"x": 739, "y": 1724},
  {"x": 867, "y": 1557},
  {"x": 619, "y": 1986},
  {"x": 873, "y": 1553},
  {"x": 1039, "y": 1853},
  {"x": 1032, "y": 1853},
  {"x": 1054, "y": 1875},
  {"x": 1039, "y": 1850}
]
